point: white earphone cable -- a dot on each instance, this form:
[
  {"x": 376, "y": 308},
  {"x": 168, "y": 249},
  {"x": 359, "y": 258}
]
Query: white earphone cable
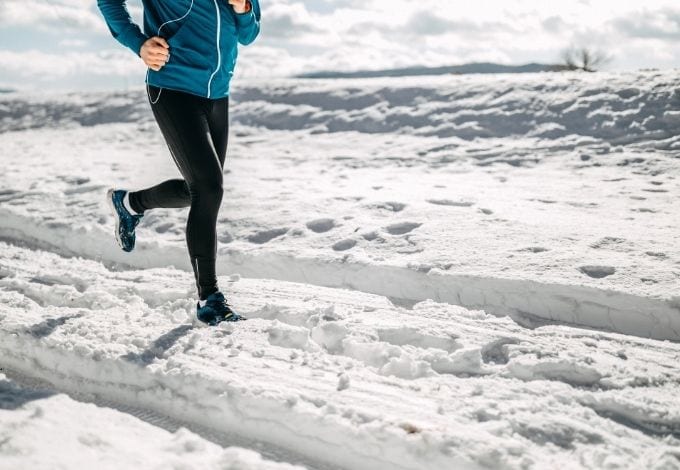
[{"x": 158, "y": 34}]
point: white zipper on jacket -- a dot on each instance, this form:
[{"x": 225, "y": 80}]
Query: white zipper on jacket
[{"x": 217, "y": 40}]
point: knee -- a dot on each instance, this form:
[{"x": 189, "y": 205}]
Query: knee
[{"x": 207, "y": 190}]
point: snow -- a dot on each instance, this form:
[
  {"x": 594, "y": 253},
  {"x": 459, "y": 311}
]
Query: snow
[
  {"x": 448, "y": 272},
  {"x": 340, "y": 376},
  {"x": 38, "y": 430}
]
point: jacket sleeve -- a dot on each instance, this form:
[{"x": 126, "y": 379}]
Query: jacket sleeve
[
  {"x": 123, "y": 29},
  {"x": 249, "y": 23}
]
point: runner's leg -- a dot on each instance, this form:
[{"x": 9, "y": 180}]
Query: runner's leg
[
  {"x": 168, "y": 194},
  {"x": 218, "y": 120},
  {"x": 184, "y": 121}
]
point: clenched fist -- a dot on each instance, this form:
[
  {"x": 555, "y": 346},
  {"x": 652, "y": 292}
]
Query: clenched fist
[
  {"x": 240, "y": 6},
  {"x": 155, "y": 52}
]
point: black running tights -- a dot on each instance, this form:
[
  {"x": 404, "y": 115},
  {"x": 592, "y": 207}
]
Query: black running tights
[{"x": 196, "y": 131}]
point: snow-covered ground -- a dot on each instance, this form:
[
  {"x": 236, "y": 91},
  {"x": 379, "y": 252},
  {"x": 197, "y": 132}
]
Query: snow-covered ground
[
  {"x": 38, "y": 430},
  {"x": 440, "y": 272}
]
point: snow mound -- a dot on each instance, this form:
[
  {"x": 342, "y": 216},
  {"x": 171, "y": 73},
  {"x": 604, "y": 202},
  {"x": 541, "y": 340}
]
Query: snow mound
[
  {"x": 43, "y": 429},
  {"x": 617, "y": 108}
]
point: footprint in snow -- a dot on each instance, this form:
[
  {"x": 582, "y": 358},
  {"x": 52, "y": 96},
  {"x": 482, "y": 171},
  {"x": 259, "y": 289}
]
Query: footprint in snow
[
  {"x": 449, "y": 202},
  {"x": 83, "y": 189},
  {"x": 8, "y": 192},
  {"x": 608, "y": 242},
  {"x": 264, "y": 236},
  {"x": 370, "y": 236},
  {"x": 162, "y": 228},
  {"x": 6, "y": 272},
  {"x": 496, "y": 352},
  {"x": 597, "y": 272},
  {"x": 392, "y": 206},
  {"x": 225, "y": 237},
  {"x": 345, "y": 244},
  {"x": 77, "y": 180},
  {"x": 402, "y": 227},
  {"x": 321, "y": 225},
  {"x": 535, "y": 249},
  {"x": 409, "y": 336}
]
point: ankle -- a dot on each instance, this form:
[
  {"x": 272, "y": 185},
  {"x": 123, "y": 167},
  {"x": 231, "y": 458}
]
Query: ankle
[
  {"x": 131, "y": 204},
  {"x": 202, "y": 296}
]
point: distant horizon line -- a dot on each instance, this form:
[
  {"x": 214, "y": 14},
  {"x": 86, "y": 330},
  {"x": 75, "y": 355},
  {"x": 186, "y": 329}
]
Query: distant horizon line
[
  {"x": 460, "y": 69},
  {"x": 489, "y": 68}
]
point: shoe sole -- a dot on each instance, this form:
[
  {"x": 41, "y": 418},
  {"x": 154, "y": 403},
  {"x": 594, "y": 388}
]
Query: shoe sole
[
  {"x": 116, "y": 217},
  {"x": 224, "y": 320}
]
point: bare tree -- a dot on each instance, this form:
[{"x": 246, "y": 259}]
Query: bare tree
[{"x": 585, "y": 59}]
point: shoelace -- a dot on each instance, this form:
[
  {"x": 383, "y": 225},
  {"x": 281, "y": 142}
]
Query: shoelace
[{"x": 226, "y": 306}]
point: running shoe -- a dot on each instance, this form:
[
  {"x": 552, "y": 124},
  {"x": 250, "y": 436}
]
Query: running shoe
[
  {"x": 216, "y": 310},
  {"x": 125, "y": 222}
]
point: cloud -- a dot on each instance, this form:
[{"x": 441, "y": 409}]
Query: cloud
[
  {"x": 554, "y": 24},
  {"x": 288, "y": 21},
  {"x": 64, "y": 37},
  {"x": 267, "y": 61},
  {"x": 660, "y": 24},
  {"x": 429, "y": 24},
  {"x": 44, "y": 67},
  {"x": 51, "y": 15},
  {"x": 73, "y": 43}
]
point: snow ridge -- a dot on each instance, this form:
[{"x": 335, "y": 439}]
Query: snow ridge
[
  {"x": 619, "y": 108},
  {"x": 529, "y": 302},
  {"x": 341, "y": 376},
  {"x": 83, "y": 433}
]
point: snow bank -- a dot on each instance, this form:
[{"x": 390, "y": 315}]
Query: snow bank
[
  {"x": 528, "y": 302},
  {"x": 42, "y": 429},
  {"x": 340, "y": 376},
  {"x": 616, "y": 108}
]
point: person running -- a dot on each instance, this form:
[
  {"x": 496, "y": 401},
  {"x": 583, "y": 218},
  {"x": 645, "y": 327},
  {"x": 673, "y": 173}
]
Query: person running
[{"x": 190, "y": 48}]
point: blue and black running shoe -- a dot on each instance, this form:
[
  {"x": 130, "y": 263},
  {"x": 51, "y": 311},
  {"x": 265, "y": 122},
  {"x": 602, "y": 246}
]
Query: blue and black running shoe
[
  {"x": 125, "y": 222},
  {"x": 216, "y": 310}
]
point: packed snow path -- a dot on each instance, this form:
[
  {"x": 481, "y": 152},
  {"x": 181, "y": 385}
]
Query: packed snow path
[{"x": 341, "y": 376}]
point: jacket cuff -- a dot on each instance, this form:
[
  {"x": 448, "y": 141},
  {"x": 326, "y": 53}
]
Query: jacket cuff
[
  {"x": 133, "y": 39},
  {"x": 247, "y": 17}
]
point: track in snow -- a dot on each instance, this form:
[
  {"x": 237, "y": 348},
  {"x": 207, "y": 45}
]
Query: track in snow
[
  {"x": 317, "y": 369},
  {"x": 566, "y": 212},
  {"x": 528, "y": 302},
  {"x": 267, "y": 450}
]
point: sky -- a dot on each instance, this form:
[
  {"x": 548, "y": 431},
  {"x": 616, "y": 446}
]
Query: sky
[{"x": 65, "y": 44}]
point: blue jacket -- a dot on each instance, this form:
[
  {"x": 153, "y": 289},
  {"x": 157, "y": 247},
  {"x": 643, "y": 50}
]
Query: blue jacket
[{"x": 203, "y": 36}]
